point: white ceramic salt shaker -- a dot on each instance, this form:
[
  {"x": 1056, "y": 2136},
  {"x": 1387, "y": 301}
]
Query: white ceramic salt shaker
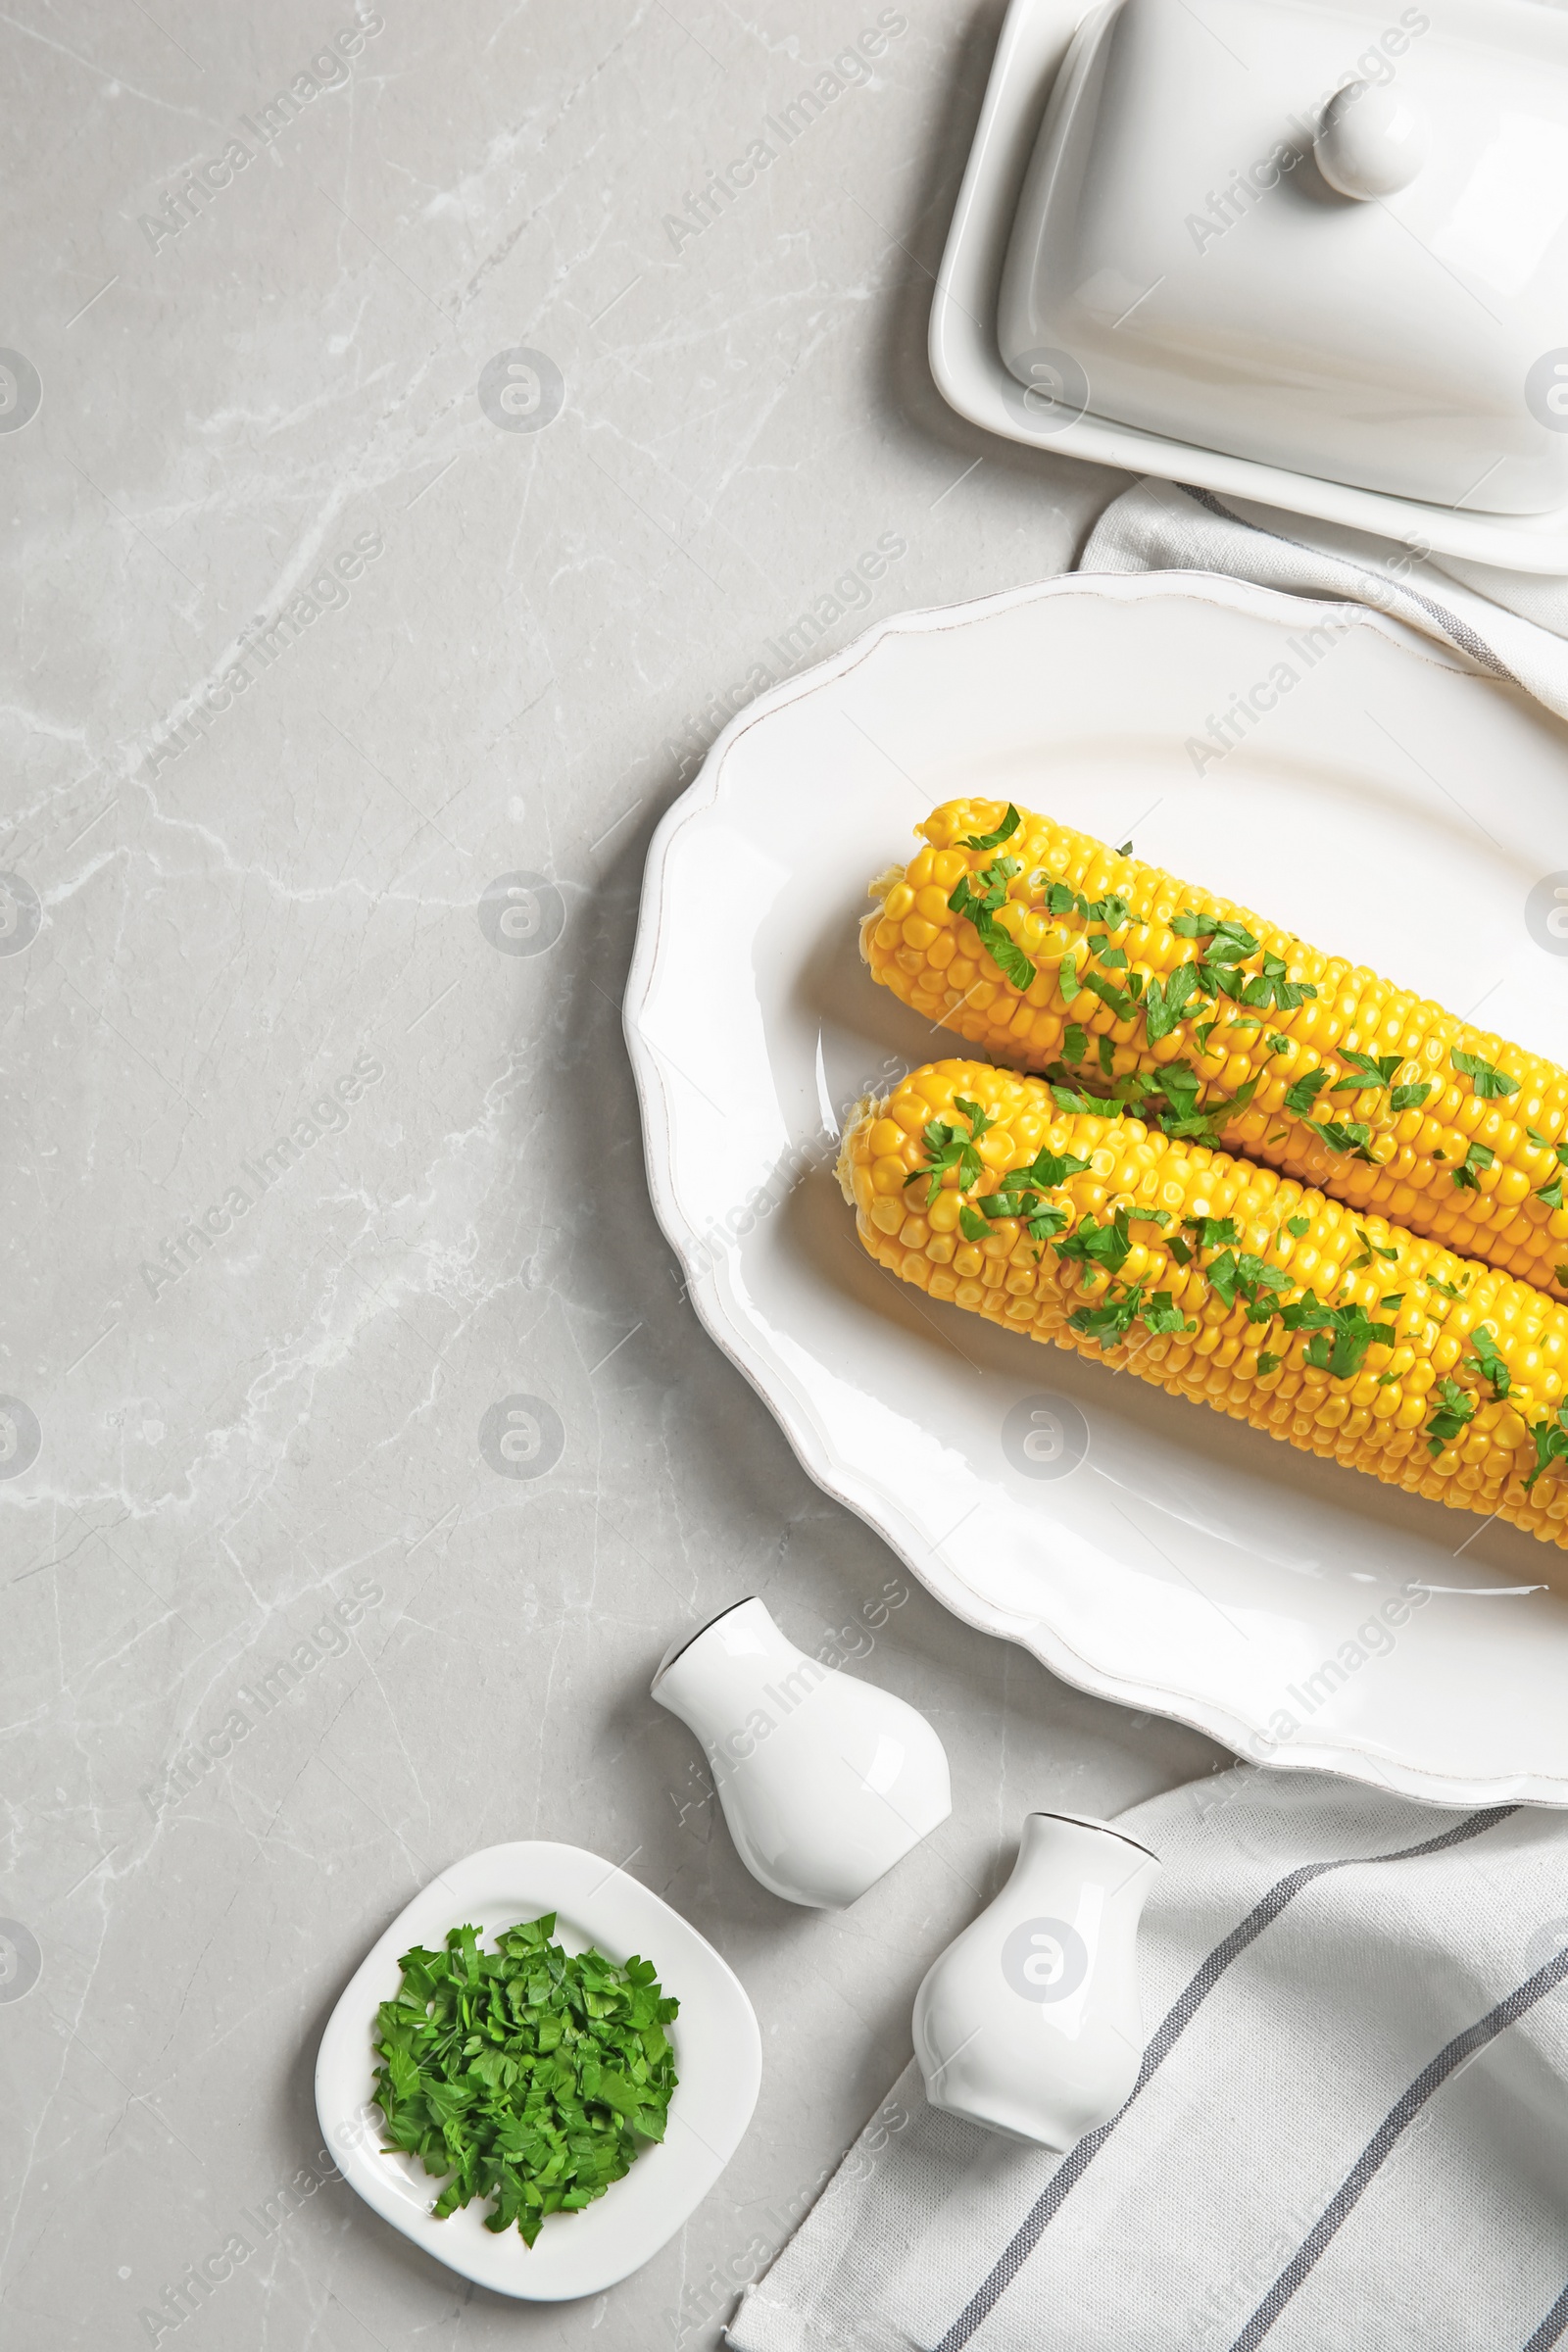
[
  {"x": 1029, "y": 2022},
  {"x": 825, "y": 1781}
]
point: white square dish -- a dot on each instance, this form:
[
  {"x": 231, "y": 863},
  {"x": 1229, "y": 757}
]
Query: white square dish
[{"x": 718, "y": 2059}]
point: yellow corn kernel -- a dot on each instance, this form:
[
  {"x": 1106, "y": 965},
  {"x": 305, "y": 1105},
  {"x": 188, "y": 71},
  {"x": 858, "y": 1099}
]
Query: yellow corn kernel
[{"x": 1375, "y": 1413}]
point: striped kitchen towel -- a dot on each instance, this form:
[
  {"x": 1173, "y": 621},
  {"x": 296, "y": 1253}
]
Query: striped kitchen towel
[{"x": 1350, "y": 2130}]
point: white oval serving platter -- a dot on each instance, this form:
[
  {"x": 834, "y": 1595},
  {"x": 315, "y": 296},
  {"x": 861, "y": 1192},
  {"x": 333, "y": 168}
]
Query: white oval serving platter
[
  {"x": 1315, "y": 761},
  {"x": 718, "y": 2058}
]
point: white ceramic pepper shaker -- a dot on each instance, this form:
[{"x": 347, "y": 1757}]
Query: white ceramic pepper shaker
[
  {"x": 825, "y": 1781},
  {"x": 1029, "y": 2022}
]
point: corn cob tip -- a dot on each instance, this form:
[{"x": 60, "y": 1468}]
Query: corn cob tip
[
  {"x": 889, "y": 879},
  {"x": 867, "y": 1110}
]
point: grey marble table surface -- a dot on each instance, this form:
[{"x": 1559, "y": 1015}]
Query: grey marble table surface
[{"x": 420, "y": 429}]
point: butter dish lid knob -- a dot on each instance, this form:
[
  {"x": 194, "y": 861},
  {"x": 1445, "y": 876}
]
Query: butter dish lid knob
[{"x": 1372, "y": 140}]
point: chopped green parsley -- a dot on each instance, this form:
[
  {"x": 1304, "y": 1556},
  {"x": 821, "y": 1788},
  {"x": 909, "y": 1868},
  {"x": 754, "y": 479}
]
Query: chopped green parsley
[
  {"x": 1490, "y": 1083},
  {"x": 1455, "y": 1410},
  {"x": 947, "y": 1147},
  {"x": 1551, "y": 1442},
  {"x": 531, "y": 2077},
  {"x": 1466, "y": 1177},
  {"x": 1371, "y": 1076},
  {"x": 1004, "y": 832},
  {"x": 1301, "y": 1098},
  {"x": 1484, "y": 1347},
  {"x": 1342, "y": 1335},
  {"x": 999, "y": 944}
]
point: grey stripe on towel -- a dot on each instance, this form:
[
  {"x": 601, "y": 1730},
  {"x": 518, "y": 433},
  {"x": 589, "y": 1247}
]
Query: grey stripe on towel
[
  {"x": 1381, "y": 2148},
  {"x": 1551, "y": 2327},
  {"x": 1350, "y": 2125}
]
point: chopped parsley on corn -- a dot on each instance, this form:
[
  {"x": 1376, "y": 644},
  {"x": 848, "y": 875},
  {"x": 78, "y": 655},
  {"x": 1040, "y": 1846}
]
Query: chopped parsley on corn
[
  {"x": 1130, "y": 989},
  {"x": 1215, "y": 1279}
]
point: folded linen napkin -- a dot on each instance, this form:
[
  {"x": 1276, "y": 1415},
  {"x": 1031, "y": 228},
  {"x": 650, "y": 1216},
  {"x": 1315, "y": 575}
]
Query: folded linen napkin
[
  {"x": 1351, "y": 2127},
  {"x": 1509, "y": 623}
]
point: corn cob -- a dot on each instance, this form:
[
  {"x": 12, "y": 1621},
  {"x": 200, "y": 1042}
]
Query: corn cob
[
  {"x": 1218, "y": 1280},
  {"x": 1329, "y": 1073}
]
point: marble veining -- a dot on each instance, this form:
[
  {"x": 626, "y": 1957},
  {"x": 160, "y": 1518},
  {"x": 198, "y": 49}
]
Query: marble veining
[{"x": 420, "y": 430}]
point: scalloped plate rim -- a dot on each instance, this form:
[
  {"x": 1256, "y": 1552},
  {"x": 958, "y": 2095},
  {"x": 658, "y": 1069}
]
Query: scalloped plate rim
[{"x": 813, "y": 1448}]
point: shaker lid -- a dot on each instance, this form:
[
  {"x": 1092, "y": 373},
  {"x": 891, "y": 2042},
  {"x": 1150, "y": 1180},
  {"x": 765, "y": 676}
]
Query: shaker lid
[
  {"x": 1327, "y": 234},
  {"x": 1092, "y": 1821},
  {"x": 683, "y": 1642}
]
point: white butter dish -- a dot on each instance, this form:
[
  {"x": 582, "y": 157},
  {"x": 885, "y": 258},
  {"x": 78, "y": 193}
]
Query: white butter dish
[{"x": 1311, "y": 253}]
